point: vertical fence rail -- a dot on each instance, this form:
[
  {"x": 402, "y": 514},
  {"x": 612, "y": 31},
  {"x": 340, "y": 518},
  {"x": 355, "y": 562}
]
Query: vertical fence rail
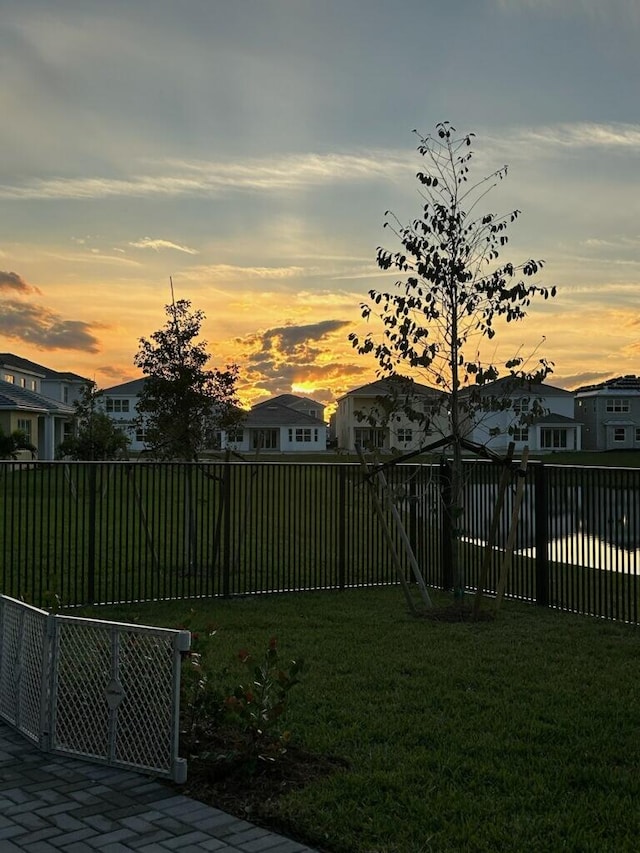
[{"x": 87, "y": 533}]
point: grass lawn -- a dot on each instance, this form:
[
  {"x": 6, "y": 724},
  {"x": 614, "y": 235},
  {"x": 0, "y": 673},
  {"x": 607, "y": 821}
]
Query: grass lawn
[{"x": 513, "y": 735}]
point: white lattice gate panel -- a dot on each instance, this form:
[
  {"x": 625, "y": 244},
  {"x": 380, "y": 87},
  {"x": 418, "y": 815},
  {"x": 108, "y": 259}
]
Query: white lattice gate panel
[
  {"x": 115, "y": 693},
  {"x": 103, "y": 691},
  {"x": 24, "y": 663}
]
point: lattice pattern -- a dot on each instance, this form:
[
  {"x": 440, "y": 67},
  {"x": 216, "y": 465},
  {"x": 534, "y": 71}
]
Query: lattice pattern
[
  {"x": 98, "y": 690},
  {"x": 22, "y": 649}
]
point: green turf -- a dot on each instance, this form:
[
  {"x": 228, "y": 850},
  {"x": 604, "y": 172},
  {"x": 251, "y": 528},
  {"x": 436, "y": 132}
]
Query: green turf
[{"x": 519, "y": 734}]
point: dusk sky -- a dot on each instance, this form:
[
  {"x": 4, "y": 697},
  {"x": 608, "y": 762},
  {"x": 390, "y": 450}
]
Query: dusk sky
[{"x": 250, "y": 148}]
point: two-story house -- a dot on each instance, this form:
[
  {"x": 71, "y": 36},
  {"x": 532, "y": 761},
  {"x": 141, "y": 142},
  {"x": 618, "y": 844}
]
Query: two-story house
[
  {"x": 393, "y": 413},
  {"x": 610, "y": 413},
  {"x": 538, "y": 415}
]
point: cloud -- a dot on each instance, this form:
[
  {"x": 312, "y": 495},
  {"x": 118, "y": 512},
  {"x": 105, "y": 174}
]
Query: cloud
[
  {"x": 13, "y": 281},
  {"x": 156, "y": 245},
  {"x": 231, "y": 272},
  {"x": 576, "y": 380},
  {"x": 45, "y": 329},
  {"x": 183, "y": 178},
  {"x": 277, "y": 359}
]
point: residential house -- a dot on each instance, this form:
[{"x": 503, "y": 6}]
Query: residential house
[
  {"x": 44, "y": 420},
  {"x": 287, "y": 423},
  {"x": 386, "y": 415},
  {"x": 58, "y": 385},
  {"x": 610, "y": 413},
  {"x": 120, "y": 402},
  {"x": 538, "y": 415}
]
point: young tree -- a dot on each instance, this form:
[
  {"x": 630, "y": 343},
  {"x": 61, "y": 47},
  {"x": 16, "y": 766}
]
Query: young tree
[
  {"x": 183, "y": 401},
  {"x": 452, "y": 294},
  {"x": 97, "y": 436}
]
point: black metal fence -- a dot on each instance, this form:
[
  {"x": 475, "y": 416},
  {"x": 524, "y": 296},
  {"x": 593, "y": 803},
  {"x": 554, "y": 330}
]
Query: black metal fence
[{"x": 86, "y": 533}]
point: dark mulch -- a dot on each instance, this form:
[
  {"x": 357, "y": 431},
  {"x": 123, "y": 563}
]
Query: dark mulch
[{"x": 249, "y": 789}]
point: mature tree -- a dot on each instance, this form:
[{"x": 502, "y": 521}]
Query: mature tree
[
  {"x": 13, "y": 442},
  {"x": 452, "y": 294},
  {"x": 183, "y": 401},
  {"x": 96, "y": 435}
]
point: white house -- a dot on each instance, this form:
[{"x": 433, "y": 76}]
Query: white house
[
  {"x": 120, "y": 403},
  {"x": 610, "y": 413},
  {"x": 533, "y": 414},
  {"x": 386, "y": 415},
  {"x": 58, "y": 385},
  {"x": 287, "y": 423}
]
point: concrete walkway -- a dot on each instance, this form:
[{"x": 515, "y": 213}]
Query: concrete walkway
[{"x": 50, "y": 804}]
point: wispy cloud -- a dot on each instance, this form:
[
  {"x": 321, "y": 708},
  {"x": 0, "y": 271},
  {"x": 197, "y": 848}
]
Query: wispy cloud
[
  {"x": 231, "y": 272},
  {"x": 157, "y": 245}
]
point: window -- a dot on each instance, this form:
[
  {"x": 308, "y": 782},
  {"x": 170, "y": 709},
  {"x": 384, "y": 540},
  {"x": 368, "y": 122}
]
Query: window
[
  {"x": 619, "y": 434},
  {"x": 303, "y": 434},
  {"x": 369, "y": 437},
  {"x": 33, "y": 385},
  {"x": 265, "y": 439},
  {"x": 24, "y": 425},
  {"x": 117, "y": 405},
  {"x": 23, "y": 382},
  {"x": 9, "y": 377},
  {"x": 405, "y": 435},
  {"x": 141, "y": 434},
  {"x": 521, "y": 405},
  {"x": 65, "y": 394},
  {"x": 521, "y": 433},
  {"x": 637, "y": 434},
  {"x": 235, "y": 435},
  {"x": 617, "y": 404},
  {"x": 553, "y": 439}
]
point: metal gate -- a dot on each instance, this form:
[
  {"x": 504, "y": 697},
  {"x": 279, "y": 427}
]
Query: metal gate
[{"x": 101, "y": 691}]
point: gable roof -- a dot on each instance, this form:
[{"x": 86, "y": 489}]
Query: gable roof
[
  {"x": 14, "y": 398},
  {"x": 274, "y": 414},
  {"x": 508, "y": 385},
  {"x": 390, "y": 385},
  {"x": 288, "y": 400},
  {"x": 8, "y": 359},
  {"x": 128, "y": 389}
]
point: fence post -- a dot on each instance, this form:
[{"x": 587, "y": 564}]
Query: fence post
[
  {"x": 446, "y": 526},
  {"x": 342, "y": 526},
  {"x": 541, "y": 483}
]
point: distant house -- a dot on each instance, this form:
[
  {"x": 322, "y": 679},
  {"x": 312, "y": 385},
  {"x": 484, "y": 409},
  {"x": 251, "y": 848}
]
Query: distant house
[
  {"x": 44, "y": 421},
  {"x": 55, "y": 384},
  {"x": 373, "y": 416},
  {"x": 507, "y": 404},
  {"x": 120, "y": 402},
  {"x": 286, "y": 423},
  {"x": 610, "y": 413}
]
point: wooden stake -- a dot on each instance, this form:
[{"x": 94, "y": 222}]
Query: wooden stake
[{"x": 508, "y": 554}]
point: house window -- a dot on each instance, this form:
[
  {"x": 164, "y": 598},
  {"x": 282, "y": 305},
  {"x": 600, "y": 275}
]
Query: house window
[
  {"x": 521, "y": 405},
  {"x": 235, "y": 435},
  {"x": 23, "y": 382},
  {"x": 303, "y": 434},
  {"x": 619, "y": 434},
  {"x": 265, "y": 439},
  {"x": 24, "y": 425},
  {"x": 117, "y": 405},
  {"x": 65, "y": 394},
  {"x": 9, "y": 377},
  {"x": 553, "y": 439},
  {"x": 521, "y": 433},
  {"x": 33, "y": 385},
  {"x": 369, "y": 437},
  {"x": 141, "y": 434},
  {"x": 617, "y": 404},
  {"x": 637, "y": 434},
  {"x": 405, "y": 435}
]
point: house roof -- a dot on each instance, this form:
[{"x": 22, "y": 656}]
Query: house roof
[
  {"x": 553, "y": 418},
  {"x": 14, "y": 398},
  {"x": 8, "y": 359},
  {"x": 126, "y": 389},
  {"x": 274, "y": 414},
  {"x": 630, "y": 382},
  {"x": 391, "y": 385},
  {"x": 508, "y": 385},
  {"x": 288, "y": 400}
]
